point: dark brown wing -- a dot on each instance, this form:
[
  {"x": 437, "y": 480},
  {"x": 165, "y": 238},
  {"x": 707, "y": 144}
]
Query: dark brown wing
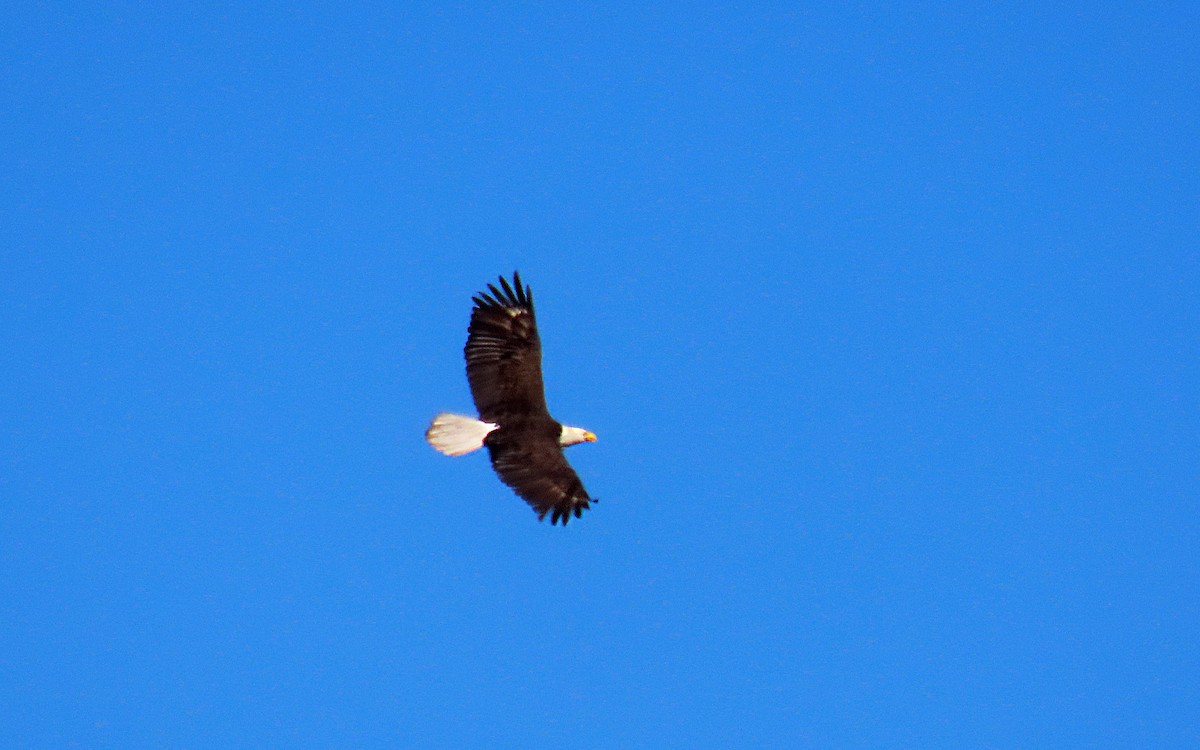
[
  {"x": 504, "y": 353},
  {"x": 535, "y": 467}
]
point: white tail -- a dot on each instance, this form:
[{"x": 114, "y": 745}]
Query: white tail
[{"x": 456, "y": 435}]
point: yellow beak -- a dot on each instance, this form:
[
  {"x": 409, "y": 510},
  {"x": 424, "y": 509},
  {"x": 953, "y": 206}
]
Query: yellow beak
[{"x": 589, "y": 437}]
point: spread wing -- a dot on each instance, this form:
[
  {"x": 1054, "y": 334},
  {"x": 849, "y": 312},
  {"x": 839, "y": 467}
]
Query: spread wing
[
  {"x": 504, "y": 353},
  {"x": 538, "y": 472}
]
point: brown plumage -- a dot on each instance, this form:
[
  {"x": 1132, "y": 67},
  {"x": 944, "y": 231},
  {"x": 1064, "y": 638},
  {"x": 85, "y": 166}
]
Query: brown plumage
[{"x": 504, "y": 369}]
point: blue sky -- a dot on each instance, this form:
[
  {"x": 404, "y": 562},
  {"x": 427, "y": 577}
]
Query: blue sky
[{"x": 886, "y": 318}]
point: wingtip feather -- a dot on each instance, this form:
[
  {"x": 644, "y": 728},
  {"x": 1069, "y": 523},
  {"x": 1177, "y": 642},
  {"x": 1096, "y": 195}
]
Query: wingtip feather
[{"x": 508, "y": 291}]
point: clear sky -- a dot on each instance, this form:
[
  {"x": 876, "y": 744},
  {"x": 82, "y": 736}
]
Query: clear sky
[{"x": 886, "y": 317}]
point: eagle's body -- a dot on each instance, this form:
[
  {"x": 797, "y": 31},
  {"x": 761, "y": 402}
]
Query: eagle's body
[{"x": 504, "y": 369}]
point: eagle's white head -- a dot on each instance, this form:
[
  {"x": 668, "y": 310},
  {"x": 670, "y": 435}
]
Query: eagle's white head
[{"x": 574, "y": 436}]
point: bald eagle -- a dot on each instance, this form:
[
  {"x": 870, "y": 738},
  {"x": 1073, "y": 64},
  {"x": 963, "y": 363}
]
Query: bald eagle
[{"x": 504, "y": 369}]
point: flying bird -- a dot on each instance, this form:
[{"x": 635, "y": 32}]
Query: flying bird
[{"x": 504, "y": 369}]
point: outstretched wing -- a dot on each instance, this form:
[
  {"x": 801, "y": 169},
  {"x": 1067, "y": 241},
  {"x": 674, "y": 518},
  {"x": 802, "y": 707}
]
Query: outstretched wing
[
  {"x": 504, "y": 353},
  {"x": 538, "y": 472}
]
